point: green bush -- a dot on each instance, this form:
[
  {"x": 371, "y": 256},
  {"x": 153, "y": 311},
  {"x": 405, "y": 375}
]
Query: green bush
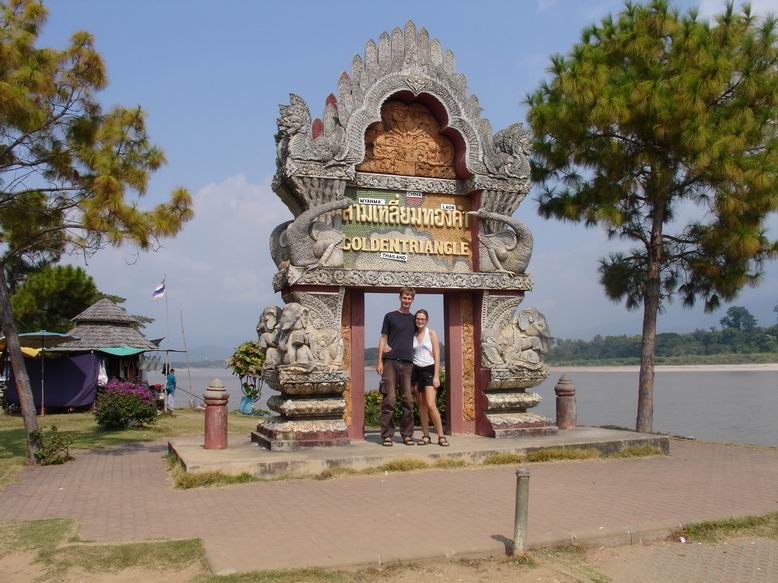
[
  {"x": 53, "y": 447},
  {"x": 373, "y": 400},
  {"x": 124, "y": 405}
]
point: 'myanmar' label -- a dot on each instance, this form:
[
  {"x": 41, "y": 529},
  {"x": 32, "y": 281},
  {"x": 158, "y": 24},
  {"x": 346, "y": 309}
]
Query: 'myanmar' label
[
  {"x": 395, "y": 256},
  {"x": 376, "y": 201}
]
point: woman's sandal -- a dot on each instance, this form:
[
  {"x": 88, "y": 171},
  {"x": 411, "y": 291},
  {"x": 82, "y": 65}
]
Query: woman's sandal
[
  {"x": 388, "y": 442},
  {"x": 443, "y": 442},
  {"x": 424, "y": 440},
  {"x": 409, "y": 441}
]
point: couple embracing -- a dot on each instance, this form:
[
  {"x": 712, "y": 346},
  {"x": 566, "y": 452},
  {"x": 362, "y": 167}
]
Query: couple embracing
[{"x": 409, "y": 356}]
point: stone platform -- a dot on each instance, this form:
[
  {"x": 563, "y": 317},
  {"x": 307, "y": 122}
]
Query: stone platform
[{"x": 244, "y": 456}]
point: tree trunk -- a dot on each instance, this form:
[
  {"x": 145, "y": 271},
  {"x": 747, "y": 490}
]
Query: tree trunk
[
  {"x": 645, "y": 417},
  {"x": 17, "y": 363}
]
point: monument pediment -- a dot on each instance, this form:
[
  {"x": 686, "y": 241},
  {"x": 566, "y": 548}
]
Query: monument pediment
[{"x": 315, "y": 158}]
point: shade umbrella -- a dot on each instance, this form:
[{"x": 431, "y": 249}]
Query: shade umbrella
[{"x": 42, "y": 339}]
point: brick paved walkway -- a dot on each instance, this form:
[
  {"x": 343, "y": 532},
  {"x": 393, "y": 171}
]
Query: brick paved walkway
[
  {"x": 739, "y": 560},
  {"x": 123, "y": 494}
]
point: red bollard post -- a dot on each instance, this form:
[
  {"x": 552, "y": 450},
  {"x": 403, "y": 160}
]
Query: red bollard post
[
  {"x": 566, "y": 415},
  {"x": 216, "y": 398}
]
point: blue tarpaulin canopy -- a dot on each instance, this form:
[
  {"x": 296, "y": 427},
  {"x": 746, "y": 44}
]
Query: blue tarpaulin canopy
[{"x": 123, "y": 350}]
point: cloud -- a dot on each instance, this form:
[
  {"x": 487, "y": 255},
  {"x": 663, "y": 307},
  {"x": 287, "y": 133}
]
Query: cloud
[{"x": 218, "y": 269}]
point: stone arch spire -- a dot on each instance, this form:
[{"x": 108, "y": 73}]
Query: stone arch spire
[{"x": 316, "y": 159}]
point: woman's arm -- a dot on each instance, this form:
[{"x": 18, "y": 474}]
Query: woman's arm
[{"x": 436, "y": 356}]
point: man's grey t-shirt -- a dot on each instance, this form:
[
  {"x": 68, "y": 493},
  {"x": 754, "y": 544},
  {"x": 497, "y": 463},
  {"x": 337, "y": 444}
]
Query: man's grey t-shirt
[{"x": 399, "y": 329}]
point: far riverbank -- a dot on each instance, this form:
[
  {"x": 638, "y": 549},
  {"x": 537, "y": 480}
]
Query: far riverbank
[{"x": 753, "y": 367}]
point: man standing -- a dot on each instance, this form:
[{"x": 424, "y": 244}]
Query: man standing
[
  {"x": 395, "y": 364},
  {"x": 170, "y": 389}
]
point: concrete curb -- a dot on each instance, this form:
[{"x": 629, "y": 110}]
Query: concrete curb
[{"x": 274, "y": 465}]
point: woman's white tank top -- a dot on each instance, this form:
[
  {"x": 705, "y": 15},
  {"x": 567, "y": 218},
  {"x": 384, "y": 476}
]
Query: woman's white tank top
[{"x": 422, "y": 351}]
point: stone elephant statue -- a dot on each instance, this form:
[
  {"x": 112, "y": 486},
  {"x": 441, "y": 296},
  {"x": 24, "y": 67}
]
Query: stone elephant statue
[
  {"x": 506, "y": 251},
  {"x": 307, "y": 242},
  {"x": 531, "y": 335}
]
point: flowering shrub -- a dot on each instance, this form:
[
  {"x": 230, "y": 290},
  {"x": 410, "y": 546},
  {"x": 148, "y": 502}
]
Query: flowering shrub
[{"x": 122, "y": 405}]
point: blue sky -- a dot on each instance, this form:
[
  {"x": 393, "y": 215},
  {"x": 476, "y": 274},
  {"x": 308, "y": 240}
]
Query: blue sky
[{"x": 210, "y": 76}]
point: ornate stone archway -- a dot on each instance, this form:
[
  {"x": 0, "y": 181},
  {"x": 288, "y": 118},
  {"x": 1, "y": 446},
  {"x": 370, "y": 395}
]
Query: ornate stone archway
[{"x": 400, "y": 183}]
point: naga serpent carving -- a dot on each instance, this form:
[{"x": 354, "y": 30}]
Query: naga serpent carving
[
  {"x": 506, "y": 251},
  {"x": 307, "y": 242}
]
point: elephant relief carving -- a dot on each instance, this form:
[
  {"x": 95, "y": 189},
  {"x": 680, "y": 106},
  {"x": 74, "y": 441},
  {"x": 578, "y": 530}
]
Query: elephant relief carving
[
  {"x": 288, "y": 338},
  {"x": 506, "y": 251},
  {"x": 308, "y": 242},
  {"x": 522, "y": 342}
]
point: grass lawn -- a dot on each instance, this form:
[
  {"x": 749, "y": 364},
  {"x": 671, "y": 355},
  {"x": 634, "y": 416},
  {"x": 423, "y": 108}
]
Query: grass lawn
[{"x": 87, "y": 435}]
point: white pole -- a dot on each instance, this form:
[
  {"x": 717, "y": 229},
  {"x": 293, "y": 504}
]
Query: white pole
[{"x": 186, "y": 351}]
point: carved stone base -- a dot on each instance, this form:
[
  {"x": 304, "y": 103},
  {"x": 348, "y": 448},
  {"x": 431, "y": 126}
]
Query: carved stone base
[
  {"x": 520, "y": 425},
  {"x": 279, "y": 434},
  {"x": 300, "y": 408}
]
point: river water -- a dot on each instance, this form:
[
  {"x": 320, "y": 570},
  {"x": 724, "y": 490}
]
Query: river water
[{"x": 733, "y": 406}]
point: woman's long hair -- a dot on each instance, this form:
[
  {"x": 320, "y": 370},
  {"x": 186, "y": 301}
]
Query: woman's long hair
[{"x": 422, "y": 311}]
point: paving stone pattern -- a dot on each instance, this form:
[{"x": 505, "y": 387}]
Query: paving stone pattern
[
  {"x": 739, "y": 560},
  {"x": 124, "y": 494}
]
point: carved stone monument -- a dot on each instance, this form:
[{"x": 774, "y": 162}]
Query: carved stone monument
[{"x": 400, "y": 183}]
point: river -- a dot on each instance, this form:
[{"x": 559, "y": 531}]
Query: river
[{"x": 730, "y": 406}]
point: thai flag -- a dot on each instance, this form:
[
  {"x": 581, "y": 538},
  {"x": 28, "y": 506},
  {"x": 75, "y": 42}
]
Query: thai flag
[{"x": 159, "y": 291}]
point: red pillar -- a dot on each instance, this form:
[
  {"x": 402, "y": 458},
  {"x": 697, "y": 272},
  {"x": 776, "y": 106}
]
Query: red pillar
[
  {"x": 452, "y": 309},
  {"x": 356, "y": 428},
  {"x": 482, "y": 375},
  {"x": 216, "y": 398}
]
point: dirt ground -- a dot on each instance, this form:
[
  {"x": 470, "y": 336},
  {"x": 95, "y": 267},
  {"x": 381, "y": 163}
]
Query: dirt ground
[{"x": 753, "y": 559}]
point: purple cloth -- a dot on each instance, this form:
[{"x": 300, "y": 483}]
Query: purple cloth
[{"x": 71, "y": 381}]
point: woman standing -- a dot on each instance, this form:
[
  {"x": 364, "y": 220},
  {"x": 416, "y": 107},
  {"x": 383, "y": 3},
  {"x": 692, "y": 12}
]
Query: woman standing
[{"x": 426, "y": 377}]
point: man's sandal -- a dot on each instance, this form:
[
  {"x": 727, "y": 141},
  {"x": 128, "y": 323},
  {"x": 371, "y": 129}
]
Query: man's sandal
[
  {"x": 424, "y": 440},
  {"x": 409, "y": 441},
  {"x": 388, "y": 442},
  {"x": 443, "y": 442}
]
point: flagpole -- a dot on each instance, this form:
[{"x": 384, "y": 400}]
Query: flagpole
[
  {"x": 167, "y": 318},
  {"x": 186, "y": 352}
]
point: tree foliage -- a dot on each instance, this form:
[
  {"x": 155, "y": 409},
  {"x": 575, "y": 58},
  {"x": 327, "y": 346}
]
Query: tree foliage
[
  {"x": 739, "y": 318},
  {"x": 654, "y": 112},
  {"x": 700, "y": 343},
  {"x": 51, "y": 297},
  {"x": 71, "y": 174},
  {"x": 246, "y": 363}
]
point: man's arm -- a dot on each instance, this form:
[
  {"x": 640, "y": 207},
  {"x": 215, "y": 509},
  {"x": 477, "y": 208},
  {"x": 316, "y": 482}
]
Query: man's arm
[{"x": 380, "y": 364}]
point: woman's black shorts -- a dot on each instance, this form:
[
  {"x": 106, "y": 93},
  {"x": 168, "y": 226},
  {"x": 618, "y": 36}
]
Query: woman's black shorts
[{"x": 422, "y": 376}]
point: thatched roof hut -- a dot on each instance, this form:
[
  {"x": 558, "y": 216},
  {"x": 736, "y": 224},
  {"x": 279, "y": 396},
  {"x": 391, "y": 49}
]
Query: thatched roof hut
[
  {"x": 108, "y": 345},
  {"x": 105, "y": 325}
]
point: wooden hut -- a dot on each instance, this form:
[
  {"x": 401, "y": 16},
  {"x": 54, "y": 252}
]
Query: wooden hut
[
  {"x": 109, "y": 346},
  {"x": 111, "y": 331}
]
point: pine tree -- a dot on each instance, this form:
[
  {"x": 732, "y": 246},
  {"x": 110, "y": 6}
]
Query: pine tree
[
  {"x": 49, "y": 298},
  {"x": 654, "y": 111},
  {"x": 70, "y": 173}
]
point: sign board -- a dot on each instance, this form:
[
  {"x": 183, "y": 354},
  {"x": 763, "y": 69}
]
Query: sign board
[{"x": 406, "y": 231}]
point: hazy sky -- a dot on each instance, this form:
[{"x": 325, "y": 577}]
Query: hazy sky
[{"x": 210, "y": 76}]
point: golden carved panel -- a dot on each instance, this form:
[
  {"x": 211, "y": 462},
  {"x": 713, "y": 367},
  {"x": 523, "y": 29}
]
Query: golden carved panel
[
  {"x": 345, "y": 331},
  {"x": 468, "y": 359},
  {"x": 408, "y": 141}
]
